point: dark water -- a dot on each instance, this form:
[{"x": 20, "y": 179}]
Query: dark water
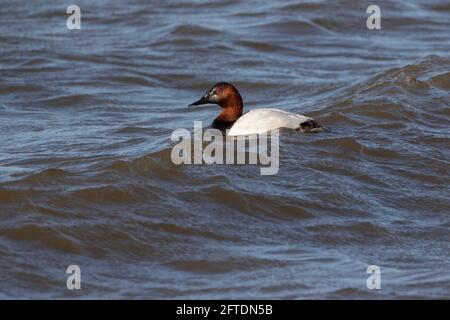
[{"x": 86, "y": 176}]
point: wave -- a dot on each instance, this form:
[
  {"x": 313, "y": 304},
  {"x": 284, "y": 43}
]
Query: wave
[{"x": 194, "y": 31}]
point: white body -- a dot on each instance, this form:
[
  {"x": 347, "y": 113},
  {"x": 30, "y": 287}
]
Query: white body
[{"x": 259, "y": 121}]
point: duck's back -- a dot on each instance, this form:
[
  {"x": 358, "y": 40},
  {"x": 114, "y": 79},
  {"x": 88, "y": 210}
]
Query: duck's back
[{"x": 259, "y": 121}]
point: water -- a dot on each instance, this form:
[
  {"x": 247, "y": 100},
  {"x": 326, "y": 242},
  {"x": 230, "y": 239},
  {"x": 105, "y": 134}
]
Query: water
[{"x": 86, "y": 176}]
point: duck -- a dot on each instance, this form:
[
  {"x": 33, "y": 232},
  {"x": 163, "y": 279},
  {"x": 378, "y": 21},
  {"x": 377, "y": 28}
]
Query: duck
[{"x": 256, "y": 121}]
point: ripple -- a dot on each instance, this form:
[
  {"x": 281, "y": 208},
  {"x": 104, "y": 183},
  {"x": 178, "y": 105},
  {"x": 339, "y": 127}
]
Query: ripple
[
  {"x": 194, "y": 31},
  {"x": 442, "y": 81},
  {"x": 289, "y": 27},
  {"x": 44, "y": 235}
]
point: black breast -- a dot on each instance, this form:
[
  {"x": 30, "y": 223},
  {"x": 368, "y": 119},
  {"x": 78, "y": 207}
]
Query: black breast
[{"x": 222, "y": 125}]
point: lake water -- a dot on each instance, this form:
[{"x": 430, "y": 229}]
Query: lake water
[{"x": 86, "y": 176}]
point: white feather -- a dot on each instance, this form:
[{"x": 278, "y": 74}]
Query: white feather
[{"x": 259, "y": 121}]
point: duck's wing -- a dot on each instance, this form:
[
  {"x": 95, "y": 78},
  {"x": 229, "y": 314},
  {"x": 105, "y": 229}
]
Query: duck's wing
[{"x": 259, "y": 121}]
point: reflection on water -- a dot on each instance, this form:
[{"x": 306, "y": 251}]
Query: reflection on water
[{"x": 86, "y": 176}]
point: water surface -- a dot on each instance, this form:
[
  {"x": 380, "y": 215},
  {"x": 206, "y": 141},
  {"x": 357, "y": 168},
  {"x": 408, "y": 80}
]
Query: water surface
[{"x": 86, "y": 176}]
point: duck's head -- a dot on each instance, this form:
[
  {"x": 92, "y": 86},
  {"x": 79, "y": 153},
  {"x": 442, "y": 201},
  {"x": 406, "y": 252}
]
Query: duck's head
[{"x": 223, "y": 94}]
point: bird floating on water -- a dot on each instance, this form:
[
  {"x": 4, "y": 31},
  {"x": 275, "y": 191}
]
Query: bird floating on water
[{"x": 256, "y": 121}]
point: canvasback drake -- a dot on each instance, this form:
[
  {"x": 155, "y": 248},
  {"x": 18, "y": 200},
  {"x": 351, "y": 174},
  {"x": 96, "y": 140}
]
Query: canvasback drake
[{"x": 256, "y": 121}]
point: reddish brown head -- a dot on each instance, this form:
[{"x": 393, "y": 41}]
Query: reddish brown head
[{"x": 226, "y": 96}]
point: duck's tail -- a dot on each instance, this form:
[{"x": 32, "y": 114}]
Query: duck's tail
[{"x": 310, "y": 126}]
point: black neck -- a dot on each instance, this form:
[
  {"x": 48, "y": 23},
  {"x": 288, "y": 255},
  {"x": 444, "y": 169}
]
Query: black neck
[{"x": 222, "y": 125}]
